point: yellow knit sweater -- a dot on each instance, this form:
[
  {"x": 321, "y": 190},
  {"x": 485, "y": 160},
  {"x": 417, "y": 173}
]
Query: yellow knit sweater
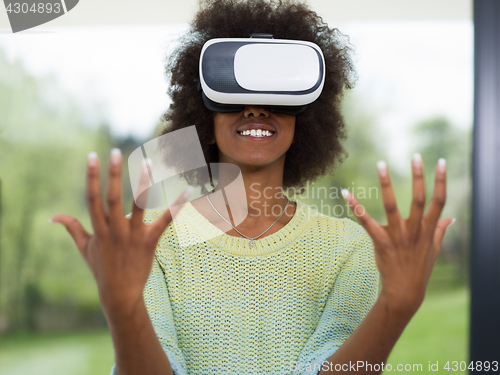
[{"x": 220, "y": 306}]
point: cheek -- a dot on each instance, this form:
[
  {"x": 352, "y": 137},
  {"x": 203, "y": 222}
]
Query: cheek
[
  {"x": 223, "y": 121},
  {"x": 217, "y": 126},
  {"x": 222, "y": 124},
  {"x": 291, "y": 127}
]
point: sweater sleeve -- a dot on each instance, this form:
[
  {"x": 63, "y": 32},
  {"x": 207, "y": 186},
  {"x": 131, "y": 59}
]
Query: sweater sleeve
[
  {"x": 353, "y": 294},
  {"x": 157, "y": 302}
]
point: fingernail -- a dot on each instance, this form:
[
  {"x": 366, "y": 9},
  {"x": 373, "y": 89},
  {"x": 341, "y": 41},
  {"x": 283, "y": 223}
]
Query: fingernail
[
  {"x": 189, "y": 190},
  {"x": 382, "y": 168},
  {"x": 346, "y": 194},
  {"x": 442, "y": 164},
  {"x": 50, "y": 220},
  {"x": 145, "y": 163},
  {"x": 452, "y": 222},
  {"x": 417, "y": 159},
  {"x": 115, "y": 155},
  {"x": 92, "y": 158}
]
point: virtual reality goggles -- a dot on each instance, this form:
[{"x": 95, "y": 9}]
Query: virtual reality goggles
[{"x": 283, "y": 75}]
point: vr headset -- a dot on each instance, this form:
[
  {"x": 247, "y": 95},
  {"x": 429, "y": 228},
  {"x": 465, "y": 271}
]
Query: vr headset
[{"x": 283, "y": 75}]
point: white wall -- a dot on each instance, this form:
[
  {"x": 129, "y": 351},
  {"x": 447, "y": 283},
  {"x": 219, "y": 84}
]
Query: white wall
[{"x": 128, "y": 12}]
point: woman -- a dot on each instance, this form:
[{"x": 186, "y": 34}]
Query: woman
[{"x": 286, "y": 290}]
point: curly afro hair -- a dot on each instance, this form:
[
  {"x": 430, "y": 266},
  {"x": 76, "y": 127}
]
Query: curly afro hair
[{"x": 319, "y": 129}]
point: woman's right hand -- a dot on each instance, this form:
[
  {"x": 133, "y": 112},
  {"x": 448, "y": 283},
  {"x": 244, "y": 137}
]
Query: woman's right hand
[{"x": 120, "y": 254}]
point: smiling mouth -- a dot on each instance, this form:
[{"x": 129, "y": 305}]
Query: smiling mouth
[{"x": 256, "y": 133}]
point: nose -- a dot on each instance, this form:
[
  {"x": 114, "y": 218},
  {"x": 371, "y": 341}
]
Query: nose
[{"x": 256, "y": 111}]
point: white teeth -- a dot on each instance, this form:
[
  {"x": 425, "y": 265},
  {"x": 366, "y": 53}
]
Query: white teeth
[{"x": 257, "y": 133}]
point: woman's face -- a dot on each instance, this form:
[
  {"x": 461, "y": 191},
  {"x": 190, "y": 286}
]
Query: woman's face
[{"x": 246, "y": 150}]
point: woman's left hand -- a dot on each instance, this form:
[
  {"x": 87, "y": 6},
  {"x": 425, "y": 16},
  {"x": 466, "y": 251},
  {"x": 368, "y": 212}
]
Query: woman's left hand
[{"x": 406, "y": 249}]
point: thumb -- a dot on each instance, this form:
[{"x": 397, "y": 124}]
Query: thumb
[
  {"x": 80, "y": 236},
  {"x": 441, "y": 227}
]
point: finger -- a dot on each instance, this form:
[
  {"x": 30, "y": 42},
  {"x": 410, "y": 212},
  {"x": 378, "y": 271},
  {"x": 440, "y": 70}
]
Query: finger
[
  {"x": 80, "y": 236},
  {"x": 373, "y": 228},
  {"x": 391, "y": 208},
  {"x": 418, "y": 202},
  {"x": 438, "y": 199},
  {"x": 439, "y": 233},
  {"x": 96, "y": 209},
  {"x": 114, "y": 196},
  {"x": 160, "y": 224},
  {"x": 136, "y": 220},
  {"x": 441, "y": 227}
]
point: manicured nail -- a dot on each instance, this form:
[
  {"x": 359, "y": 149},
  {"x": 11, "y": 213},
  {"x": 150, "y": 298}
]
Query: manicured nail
[
  {"x": 92, "y": 158},
  {"x": 417, "y": 159},
  {"x": 452, "y": 222},
  {"x": 115, "y": 155},
  {"x": 145, "y": 164},
  {"x": 189, "y": 190},
  {"x": 346, "y": 194},
  {"x": 382, "y": 168},
  {"x": 442, "y": 165}
]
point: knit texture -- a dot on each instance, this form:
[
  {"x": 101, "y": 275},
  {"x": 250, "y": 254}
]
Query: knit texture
[{"x": 284, "y": 306}]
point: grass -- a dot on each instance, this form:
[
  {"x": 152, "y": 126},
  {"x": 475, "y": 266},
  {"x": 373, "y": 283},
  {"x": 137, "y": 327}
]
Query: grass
[
  {"x": 85, "y": 353},
  {"x": 437, "y": 333}
]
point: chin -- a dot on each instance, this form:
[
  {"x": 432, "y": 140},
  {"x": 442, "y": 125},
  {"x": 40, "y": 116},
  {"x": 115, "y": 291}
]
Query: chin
[{"x": 256, "y": 161}]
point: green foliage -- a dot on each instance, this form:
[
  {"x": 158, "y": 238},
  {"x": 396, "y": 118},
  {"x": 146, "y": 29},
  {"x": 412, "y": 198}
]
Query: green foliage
[
  {"x": 358, "y": 172},
  {"x": 44, "y": 142},
  {"x": 78, "y": 353},
  {"x": 439, "y": 138},
  {"x": 437, "y": 332},
  {"x": 434, "y": 138},
  {"x": 45, "y": 138}
]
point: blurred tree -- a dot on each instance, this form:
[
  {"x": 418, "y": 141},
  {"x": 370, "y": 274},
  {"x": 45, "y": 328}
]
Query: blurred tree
[
  {"x": 438, "y": 138},
  {"x": 365, "y": 146},
  {"x": 433, "y": 138},
  {"x": 44, "y": 142}
]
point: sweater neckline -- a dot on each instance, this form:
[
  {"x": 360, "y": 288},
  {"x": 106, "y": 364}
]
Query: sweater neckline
[{"x": 239, "y": 245}]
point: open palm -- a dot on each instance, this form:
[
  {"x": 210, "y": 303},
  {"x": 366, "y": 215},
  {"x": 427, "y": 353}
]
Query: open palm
[
  {"x": 406, "y": 250},
  {"x": 120, "y": 253}
]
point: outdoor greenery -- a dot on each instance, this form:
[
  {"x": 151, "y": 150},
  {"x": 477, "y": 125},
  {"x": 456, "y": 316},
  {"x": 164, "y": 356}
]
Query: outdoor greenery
[
  {"x": 44, "y": 141},
  {"x": 50, "y": 318},
  {"x": 437, "y": 333}
]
